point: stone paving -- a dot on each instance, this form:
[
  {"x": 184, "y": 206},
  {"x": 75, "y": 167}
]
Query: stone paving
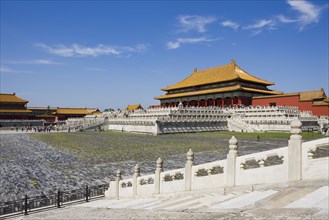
[{"x": 32, "y": 167}]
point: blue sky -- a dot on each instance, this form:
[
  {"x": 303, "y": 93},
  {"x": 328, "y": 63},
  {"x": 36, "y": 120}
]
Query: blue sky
[{"x": 109, "y": 54}]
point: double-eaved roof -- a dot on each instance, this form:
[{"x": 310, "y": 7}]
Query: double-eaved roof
[
  {"x": 217, "y": 90},
  {"x": 219, "y": 74}
]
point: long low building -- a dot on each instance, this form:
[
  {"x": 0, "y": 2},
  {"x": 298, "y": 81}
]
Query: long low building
[
  {"x": 14, "y": 109},
  {"x": 315, "y": 101}
]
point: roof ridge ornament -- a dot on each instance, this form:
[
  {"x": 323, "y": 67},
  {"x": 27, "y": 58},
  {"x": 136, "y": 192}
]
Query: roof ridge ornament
[
  {"x": 195, "y": 69},
  {"x": 233, "y": 63}
]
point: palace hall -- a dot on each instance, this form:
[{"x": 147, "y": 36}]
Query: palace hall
[
  {"x": 13, "y": 107},
  {"x": 225, "y": 85}
]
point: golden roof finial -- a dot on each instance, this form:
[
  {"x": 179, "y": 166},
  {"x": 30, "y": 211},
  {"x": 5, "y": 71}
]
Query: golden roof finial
[{"x": 233, "y": 63}]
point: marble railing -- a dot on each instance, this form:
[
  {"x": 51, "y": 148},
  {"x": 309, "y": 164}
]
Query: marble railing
[
  {"x": 295, "y": 162},
  {"x": 139, "y": 121},
  {"x": 250, "y": 119},
  {"x": 84, "y": 122}
]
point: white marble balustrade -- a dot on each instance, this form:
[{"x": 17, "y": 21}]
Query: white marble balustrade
[{"x": 291, "y": 163}]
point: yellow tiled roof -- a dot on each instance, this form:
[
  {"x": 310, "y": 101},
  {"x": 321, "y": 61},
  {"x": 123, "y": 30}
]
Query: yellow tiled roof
[
  {"x": 11, "y": 98},
  {"x": 218, "y": 74},
  {"x": 311, "y": 95},
  {"x": 320, "y": 103},
  {"x": 14, "y": 111},
  {"x": 42, "y": 108},
  {"x": 134, "y": 107},
  {"x": 92, "y": 110},
  {"x": 277, "y": 96},
  {"x": 216, "y": 90},
  {"x": 270, "y": 92},
  {"x": 303, "y": 96},
  {"x": 72, "y": 111}
]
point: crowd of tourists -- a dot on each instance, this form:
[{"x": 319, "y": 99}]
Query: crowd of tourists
[{"x": 44, "y": 128}]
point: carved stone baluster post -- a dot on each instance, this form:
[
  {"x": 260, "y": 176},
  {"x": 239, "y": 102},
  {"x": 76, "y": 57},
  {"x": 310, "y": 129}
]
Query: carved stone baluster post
[
  {"x": 157, "y": 180},
  {"x": 231, "y": 162},
  {"x": 136, "y": 174},
  {"x": 188, "y": 170},
  {"x": 261, "y": 162},
  {"x": 117, "y": 183},
  {"x": 295, "y": 151}
]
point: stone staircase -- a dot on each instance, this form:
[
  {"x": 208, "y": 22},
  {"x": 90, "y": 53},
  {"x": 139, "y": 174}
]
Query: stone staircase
[
  {"x": 314, "y": 198},
  {"x": 94, "y": 127},
  {"x": 236, "y": 124},
  {"x": 297, "y": 200}
]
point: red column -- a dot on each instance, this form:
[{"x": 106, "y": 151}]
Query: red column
[
  {"x": 214, "y": 102},
  {"x": 198, "y": 103},
  {"x": 231, "y": 101}
]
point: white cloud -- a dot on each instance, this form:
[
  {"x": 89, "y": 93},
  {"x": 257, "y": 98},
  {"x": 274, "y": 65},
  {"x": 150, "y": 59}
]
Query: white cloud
[
  {"x": 176, "y": 44},
  {"x": 308, "y": 13},
  {"x": 256, "y": 32},
  {"x": 284, "y": 19},
  {"x": 195, "y": 22},
  {"x": 230, "y": 24},
  {"x": 4, "y": 69},
  {"x": 76, "y": 50},
  {"x": 47, "y": 62},
  {"x": 39, "y": 61},
  {"x": 259, "y": 24}
]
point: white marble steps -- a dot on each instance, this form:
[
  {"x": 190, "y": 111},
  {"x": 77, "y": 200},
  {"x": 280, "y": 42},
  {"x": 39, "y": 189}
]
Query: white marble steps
[
  {"x": 316, "y": 199},
  {"x": 201, "y": 202},
  {"x": 132, "y": 203},
  {"x": 171, "y": 202},
  {"x": 268, "y": 199},
  {"x": 208, "y": 201},
  {"x": 247, "y": 200},
  {"x": 283, "y": 197}
]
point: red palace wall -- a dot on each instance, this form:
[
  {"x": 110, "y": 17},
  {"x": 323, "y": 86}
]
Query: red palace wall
[{"x": 293, "y": 101}]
